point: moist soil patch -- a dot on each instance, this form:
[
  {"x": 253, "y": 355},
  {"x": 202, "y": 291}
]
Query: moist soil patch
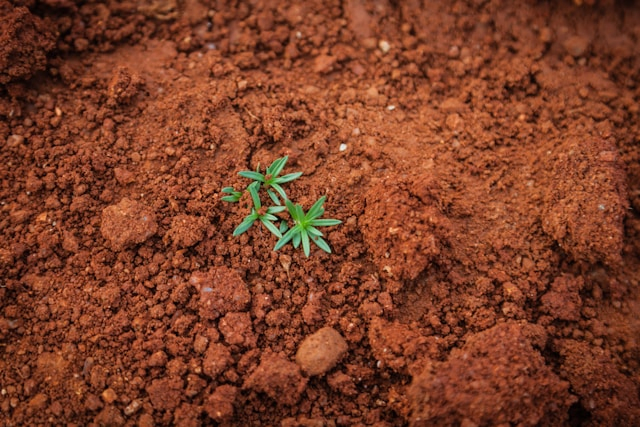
[{"x": 482, "y": 155}]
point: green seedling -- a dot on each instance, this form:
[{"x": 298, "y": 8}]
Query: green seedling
[
  {"x": 271, "y": 178},
  {"x": 266, "y": 216},
  {"x": 304, "y": 225},
  {"x": 304, "y": 229},
  {"x": 234, "y": 195}
]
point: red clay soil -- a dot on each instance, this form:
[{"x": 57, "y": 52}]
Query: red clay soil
[{"x": 482, "y": 155}]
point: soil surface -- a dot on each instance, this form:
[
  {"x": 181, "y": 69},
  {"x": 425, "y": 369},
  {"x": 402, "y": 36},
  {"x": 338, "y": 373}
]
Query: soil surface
[{"x": 483, "y": 157}]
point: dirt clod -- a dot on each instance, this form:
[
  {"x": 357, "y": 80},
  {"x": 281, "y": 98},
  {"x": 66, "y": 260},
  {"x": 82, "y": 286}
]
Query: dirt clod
[
  {"x": 127, "y": 223},
  {"x": 221, "y": 290},
  {"x": 278, "y": 378},
  {"x": 25, "y": 41},
  {"x": 497, "y": 376}
]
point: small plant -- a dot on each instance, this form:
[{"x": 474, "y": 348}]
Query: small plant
[
  {"x": 271, "y": 178},
  {"x": 304, "y": 225},
  {"x": 305, "y": 229},
  {"x": 257, "y": 213}
]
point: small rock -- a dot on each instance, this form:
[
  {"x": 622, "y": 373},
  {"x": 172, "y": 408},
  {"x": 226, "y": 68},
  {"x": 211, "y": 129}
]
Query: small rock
[
  {"x": 546, "y": 35},
  {"x": 237, "y": 329},
  {"x": 128, "y": 223},
  {"x": 109, "y": 395},
  {"x": 278, "y": 378},
  {"x": 109, "y": 416},
  {"x": 132, "y": 408},
  {"x": 321, "y": 351},
  {"x": 15, "y": 140},
  {"x": 187, "y": 230},
  {"x": 165, "y": 394},
  {"x": 576, "y": 46},
  {"x": 124, "y": 176},
  {"x": 454, "y": 122},
  {"x": 216, "y": 360},
  {"x": 158, "y": 359},
  {"x": 38, "y": 402},
  {"x": 81, "y": 44},
  {"x": 453, "y": 105},
  {"x": 324, "y": 64},
  {"x": 221, "y": 290},
  {"x": 219, "y": 405}
]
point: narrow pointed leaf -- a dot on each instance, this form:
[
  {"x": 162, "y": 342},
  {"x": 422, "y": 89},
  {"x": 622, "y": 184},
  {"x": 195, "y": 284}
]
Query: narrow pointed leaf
[
  {"x": 287, "y": 236},
  {"x": 257, "y": 176},
  {"x": 316, "y": 210},
  {"x": 229, "y": 190},
  {"x": 283, "y": 226},
  {"x": 231, "y": 199},
  {"x": 271, "y": 227},
  {"x": 273, "y": 197},
  {"x": 296, "y": 240},
  {"x": 291, "y": 208},
  {"x": 299, "y": 214},
  {"x": 322, "y": 244},
  {"x": 288, "y": 178},
  {"x": 280, "y": 191},
  {"x": 277, "y": 166},
  {"x": 314, "y": 231},
  {"x": 305, "y": 242},
  {"x": 244, "y": 225},
  {"x": 253, "y": 190},
  {"x": 275, "y": 209},
  {"x": 325, "y": 222},
  {"x": 269, "y": 217}
]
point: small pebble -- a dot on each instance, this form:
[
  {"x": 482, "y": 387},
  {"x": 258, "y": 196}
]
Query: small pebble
[
  {"x": 321, "y": 351},
  {"x": 343, "y": 147},
  {"x": 576, "y": 46},
  {"x": 15, "y": 140},
  {"x": 384, "y": 46}
]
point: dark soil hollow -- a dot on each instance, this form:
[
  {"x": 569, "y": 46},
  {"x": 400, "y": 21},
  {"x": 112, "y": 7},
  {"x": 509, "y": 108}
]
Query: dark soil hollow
[{"x": 483, "y": 157}]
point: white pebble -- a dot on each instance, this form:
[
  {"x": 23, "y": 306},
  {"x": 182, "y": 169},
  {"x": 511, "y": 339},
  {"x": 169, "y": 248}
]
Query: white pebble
[
  {"x": 384, "y": 46},
  {"x": 343, "y": 147}
]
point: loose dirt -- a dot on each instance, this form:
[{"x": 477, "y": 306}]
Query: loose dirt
[{"x": 482, "y": 155}]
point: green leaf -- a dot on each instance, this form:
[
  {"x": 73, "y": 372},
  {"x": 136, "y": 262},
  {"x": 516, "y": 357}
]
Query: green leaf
[
  {"x": 277, "y": 166},
  {"x": 280, "y": 191},
  {"x": 296, "y": 241},
  {"x": 271, "y": 227},
  {"x": 291, "y": 208},
  {"x": 269, "y": 217},
  {"x": 231, "y": 199},
  {"x": 273, "y": 197},
  {"x": 256, "y": 176},
  {"x": 275, "y": 209},
  {"x": 325, "y": 222},
  {"x": 283, "y": 226},
  {"x": 245, "y": 224},
  {"x": 234, "y": 195},
  {"x": 305, "y": 242},
  {"x": 287, "y": 236},
  {"x": 322, "y": 244},
  {"x": 253, "y": 190},
  {"x": 314, "y": 231},
  {"x": 316, "y": 210},
  {"x": 288, "y": 178}
]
